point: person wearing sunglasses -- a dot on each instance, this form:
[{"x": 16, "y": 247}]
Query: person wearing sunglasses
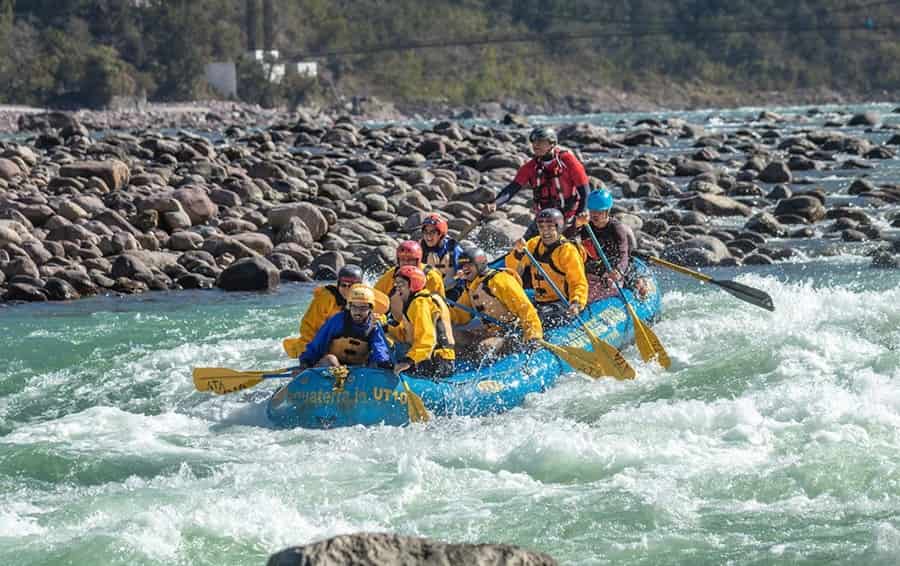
[
  {"x": 327, "y": 301},
  {"x": 351, "y": 337},
  {"x": 442, "y": 253},
  {"x": 558, "y": 179}
]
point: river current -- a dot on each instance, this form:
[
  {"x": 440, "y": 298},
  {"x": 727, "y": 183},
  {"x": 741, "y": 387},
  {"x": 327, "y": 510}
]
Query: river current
[{"x": 773, "y": 439}]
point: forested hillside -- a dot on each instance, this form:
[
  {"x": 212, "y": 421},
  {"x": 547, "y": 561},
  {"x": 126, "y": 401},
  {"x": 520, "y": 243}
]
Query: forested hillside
[{"x": 455, "y": 51}]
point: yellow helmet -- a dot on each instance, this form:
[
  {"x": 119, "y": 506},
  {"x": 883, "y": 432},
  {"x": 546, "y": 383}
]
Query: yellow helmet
[{"x": 361, "y": 294}]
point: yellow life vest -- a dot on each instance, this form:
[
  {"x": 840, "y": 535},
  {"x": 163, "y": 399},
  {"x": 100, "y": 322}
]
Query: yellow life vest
[
  {"x": 350, "y": 347},
  {"x": 443, "y": 328},
  {"x": 484, "y": 300},
  {"x": 543, "y": 291}
]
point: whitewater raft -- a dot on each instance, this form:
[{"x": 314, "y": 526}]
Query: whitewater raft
[{"x": 368, "y": 396}]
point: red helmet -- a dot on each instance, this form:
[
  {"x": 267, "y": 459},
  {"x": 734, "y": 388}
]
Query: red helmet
[
  {"x": 439, "y": 223},
  {"x": 414, "y": 275},
  {"x": 409, "y": 250}
]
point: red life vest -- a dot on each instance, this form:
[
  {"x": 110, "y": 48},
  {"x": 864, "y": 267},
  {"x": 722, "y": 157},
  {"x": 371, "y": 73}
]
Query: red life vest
[{"x": 551, "y": 190}]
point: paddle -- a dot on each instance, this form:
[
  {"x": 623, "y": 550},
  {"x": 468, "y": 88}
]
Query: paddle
[
  {"x": 648, "y": 344},
  {"x": 224, "y": 380},
  {"x": 739, "y": 290},
  {"x": 611, "y": 361},
  {"x": 575, "y": 357},
  {"x": 415, "y": 407}
]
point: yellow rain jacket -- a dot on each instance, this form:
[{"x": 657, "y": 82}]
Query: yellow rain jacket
[
  {"x": 327, "y": 302},
  {"x": 426, "y": 327},
  {"x": 499, "y": 294},
  {"x": 563, "y": 262},
  {"x": 434, "y": 281}
]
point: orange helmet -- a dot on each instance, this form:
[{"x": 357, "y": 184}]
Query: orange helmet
[
  {"x": 414, "y": 275},
  {"x": 409, "y": 250},
  {"x": 439, "y": 223}
]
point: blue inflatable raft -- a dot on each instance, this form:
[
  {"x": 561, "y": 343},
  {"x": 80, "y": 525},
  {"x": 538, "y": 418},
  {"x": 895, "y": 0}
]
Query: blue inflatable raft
[{"x": 369, "y": 396}]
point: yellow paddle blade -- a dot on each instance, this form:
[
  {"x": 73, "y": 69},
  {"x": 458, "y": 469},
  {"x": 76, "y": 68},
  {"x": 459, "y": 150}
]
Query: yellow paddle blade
[
  {"x": 595, "y": 364},
  {"x": 415, "y": 406},
  {"x": 610, "y": 358},
  {"x": 648, "y": 344},
  {"x": 224, "y": 380}
]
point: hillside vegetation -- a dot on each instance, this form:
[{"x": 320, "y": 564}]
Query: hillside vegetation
[{"x": 83, "y": 52}]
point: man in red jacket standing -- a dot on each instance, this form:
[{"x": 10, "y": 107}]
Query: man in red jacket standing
[{"x": 557, "y": 178}]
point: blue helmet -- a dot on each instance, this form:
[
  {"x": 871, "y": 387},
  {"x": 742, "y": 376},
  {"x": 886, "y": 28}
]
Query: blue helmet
[{"x": 598, "y": 201}]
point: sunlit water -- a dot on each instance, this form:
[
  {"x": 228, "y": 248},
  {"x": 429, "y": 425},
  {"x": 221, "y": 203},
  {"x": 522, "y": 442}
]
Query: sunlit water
[{"x": 773, "y": 439}]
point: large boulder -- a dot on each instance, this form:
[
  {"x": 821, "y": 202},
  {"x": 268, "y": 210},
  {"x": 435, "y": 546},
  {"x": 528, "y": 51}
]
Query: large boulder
[
  {"x": 374, "y": 549},
  {"x": 113, "y": 172},
  {"x": 196, "y": 203},
  {"x": 807, "y": 207},
  {"x": 698, "y": 251},
  {"x": 315, "y": 221},
  {"x": 717, "y": 205},
  {"x": 249, "y": 274}
]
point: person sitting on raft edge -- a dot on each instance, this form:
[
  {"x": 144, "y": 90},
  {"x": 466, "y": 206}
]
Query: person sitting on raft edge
[
  {"x": 351, "y": 337},
  {"x": 424, "y": 327},
  {"x": 442, "y": 252},
  {"x": 327, "y": 301},
  {"x": 562, "y": 260},
  {"x": 617, "y": 240},
  {"x": 497, "y": 293},
  {"x": 557, "y": 178}
]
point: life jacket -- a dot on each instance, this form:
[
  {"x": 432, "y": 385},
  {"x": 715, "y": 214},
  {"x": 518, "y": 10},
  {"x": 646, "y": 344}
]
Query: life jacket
[
  {"x": 543, "y": 292},
  {"x": 609, "y": 241},
  {"x": 443, "y": 328},
  {"x": 484, "y": 300},
  {"x": 440, "y": 257},
  {"x": 398, "y": 309},
  {"x": 549, "y": 191},
  {"x": 351, "y": 347}
]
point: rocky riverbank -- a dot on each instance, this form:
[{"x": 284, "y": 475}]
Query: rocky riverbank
[{"x": 244, "y": 198}]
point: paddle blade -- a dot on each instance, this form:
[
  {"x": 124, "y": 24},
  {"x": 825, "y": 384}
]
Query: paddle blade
[
  {"x": 610, "y": 359},
  {"x": 648, "y": 344},
  {"x": 746, "y": 293},
  {"x": 415, "y": 406},
  {"x": 224, "y": 380},
  {"x": 594, "y": 364}
]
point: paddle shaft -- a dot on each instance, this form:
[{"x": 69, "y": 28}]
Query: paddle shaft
[
  {"x": 743, "y": 292},
  {"x": 546, "y": 277},
  {"x": 478, "y": 314},
  {"x": 605, "y": 259}
]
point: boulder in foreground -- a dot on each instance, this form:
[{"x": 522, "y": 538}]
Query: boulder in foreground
[{"x": 375, "y": 549}]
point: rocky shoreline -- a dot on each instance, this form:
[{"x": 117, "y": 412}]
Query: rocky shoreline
[{"x": 243, "y": 198}]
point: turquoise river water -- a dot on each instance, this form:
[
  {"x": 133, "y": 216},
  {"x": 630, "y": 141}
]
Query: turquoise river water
[{"x": 775, "y": 438}]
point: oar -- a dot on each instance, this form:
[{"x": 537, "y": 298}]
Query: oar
[
  {"x": 224, "y": 380},
  {"x": 575, "y": 357},
  {"x": 414, "y": 404},
  {"x": 739, "y": 290},
  {"x": 610, "y": 361},
  {"x": 648, "y": 344}
]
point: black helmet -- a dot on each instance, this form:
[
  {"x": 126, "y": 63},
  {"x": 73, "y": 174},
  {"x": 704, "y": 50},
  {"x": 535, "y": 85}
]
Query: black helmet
[
  {"x": 552, "y": 214},
  {"x": 350, "y": 273},
  {"x": 542, "y": 133},
  {"x": 472, "y": 254}
]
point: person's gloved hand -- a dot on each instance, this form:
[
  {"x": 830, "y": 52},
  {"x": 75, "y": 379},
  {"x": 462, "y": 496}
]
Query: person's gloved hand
[
  {"x": 400, "y": 367},
  {"x": 574, "y": 308}
]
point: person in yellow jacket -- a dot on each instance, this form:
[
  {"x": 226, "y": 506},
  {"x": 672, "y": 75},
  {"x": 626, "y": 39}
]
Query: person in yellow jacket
[
  {"x": 425, "y": 327},
  {"x": 562, "y": 260},
  {"x": 410, "y": 253},
  {"x": 327, "y": 301},
  {"x": 497, "y": 293}
]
